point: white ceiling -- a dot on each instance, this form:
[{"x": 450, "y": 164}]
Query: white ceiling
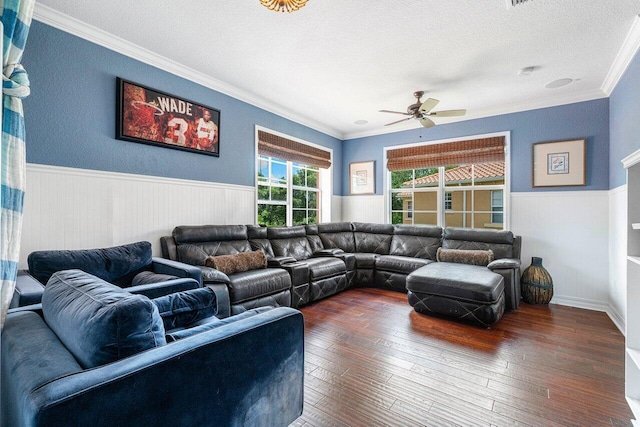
[{"x": 334, "y": 61}]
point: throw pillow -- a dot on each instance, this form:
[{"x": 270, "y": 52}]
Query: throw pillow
[
  {"x": 98, "y": 322},
  {"x": 236, "y": 263},
  {"x": 181, "y": 309},
  {"x": 462, "y": 256}
]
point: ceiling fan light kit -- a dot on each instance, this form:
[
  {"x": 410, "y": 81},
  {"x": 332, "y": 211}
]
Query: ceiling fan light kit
[
  {"x": 422, "y": 110},
  {"x": 283, "y": 5}
]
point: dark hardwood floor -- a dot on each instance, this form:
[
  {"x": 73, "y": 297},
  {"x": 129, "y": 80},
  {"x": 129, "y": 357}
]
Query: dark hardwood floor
[{"x": 372, "y": 361}]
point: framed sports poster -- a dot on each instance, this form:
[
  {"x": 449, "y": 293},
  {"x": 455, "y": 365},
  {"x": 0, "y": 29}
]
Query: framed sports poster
[{"x": 152, "y": 117}]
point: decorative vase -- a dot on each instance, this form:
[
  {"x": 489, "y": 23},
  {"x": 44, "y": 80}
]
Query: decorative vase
[{"x": 537, "y": 284}]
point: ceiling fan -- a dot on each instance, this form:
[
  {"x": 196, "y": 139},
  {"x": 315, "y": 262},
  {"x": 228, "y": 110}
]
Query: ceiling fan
[{"x": 422, "y": 110}]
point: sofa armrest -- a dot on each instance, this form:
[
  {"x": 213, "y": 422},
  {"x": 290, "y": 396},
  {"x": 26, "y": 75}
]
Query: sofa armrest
[
  {"x": 154, "y": 290},
  {"x": 280, "y": 261},
  {"x": 169, "y": 247},
  {"x": 503, "y": 263},
  {"x": 175, "y": 268},
  {"x": 32, "y": 307},
  {"x": 223, "y": 301},
  {"x": 207, "y": 324},
  {"x": 218, "y": 281},
  {"x": 28, "y": 290},
  {"x": 327, "y": 252},
  {"x": 509, "y": 269},
  {"x": 298, "y": 271},
  {"x": 211, "y": 362},
  {"x": 211, "y": 275}
]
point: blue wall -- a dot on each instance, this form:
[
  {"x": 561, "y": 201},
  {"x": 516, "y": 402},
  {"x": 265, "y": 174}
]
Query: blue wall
[
  {"x": 624, "y": 121},
  {"x": 70, "y": 116},
  {"x": 588, "y": 120},
  {"x": 71, "y": 122}
]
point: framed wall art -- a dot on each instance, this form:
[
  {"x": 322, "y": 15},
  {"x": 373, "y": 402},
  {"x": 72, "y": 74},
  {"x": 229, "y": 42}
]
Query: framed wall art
[
  {"x": 152, "y": 117},
  {"x": 362, "y": 178},
  {"x": 559, "y": 163}
]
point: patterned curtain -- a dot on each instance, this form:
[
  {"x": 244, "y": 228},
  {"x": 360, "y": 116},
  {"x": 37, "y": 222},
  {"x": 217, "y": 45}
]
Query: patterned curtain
[{"x": 15, "y": 22}]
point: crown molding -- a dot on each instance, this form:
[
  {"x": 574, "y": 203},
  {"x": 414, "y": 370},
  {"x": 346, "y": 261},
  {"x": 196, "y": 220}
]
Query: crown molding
[
  {"x": 534, "y": 104},
  {"x": 631, "y": 160},
  {"x": 100, "y": 37},
  {"x": 53, "y": 18},
  {"x": 623, "y": 59}
]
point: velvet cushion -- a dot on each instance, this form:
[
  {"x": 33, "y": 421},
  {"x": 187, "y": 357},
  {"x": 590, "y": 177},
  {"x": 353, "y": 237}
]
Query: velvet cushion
[
  {"x": 462, "y": 256},
  {"x": 213, "y": 323},
  {"x": 237, "y": 263},
  {"x": 99, "y": 322},
  {"x": 149, "y": 277},
  {"x": 181, "y": 309},
  {"x": 117, "y": 265}
]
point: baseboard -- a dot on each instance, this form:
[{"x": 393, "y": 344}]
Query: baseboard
[
  {"x": 607, "y": 308},
  {"x": 617, "y": 319}
]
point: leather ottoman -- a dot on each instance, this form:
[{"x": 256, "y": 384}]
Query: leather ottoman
[{"x": 469, "y": 293}]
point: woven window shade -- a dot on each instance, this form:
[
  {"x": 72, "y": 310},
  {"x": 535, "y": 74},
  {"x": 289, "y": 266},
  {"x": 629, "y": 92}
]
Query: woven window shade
[
  {"x": 486, "y": 150},
  {"x": 286, "y": 149}
]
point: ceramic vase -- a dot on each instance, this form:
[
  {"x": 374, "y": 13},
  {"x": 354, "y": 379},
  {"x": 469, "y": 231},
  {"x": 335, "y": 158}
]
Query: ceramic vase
[{"x": 537, "y": 284}]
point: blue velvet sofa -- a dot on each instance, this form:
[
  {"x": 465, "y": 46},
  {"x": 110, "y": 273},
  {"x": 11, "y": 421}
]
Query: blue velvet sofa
[{"x": 93, "y": 354}]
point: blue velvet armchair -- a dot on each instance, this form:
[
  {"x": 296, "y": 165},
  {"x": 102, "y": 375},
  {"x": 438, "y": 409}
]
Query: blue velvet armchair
[
  {"x": 94, "y": 354},
  {"x": 129, "y": 266}
]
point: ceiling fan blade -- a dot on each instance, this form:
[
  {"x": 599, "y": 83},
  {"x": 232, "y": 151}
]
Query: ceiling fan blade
[
  {"x": 448, "y": 113},
  {"x": 428, "y": 105},
  {"x": 395, "y": 112},
  {"x": 427, "y": 122},
  {"x": 403, "y": 120}
]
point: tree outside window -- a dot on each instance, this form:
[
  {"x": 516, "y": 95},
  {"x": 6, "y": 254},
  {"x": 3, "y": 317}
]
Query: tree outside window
[{"x": 288, "y": 193}]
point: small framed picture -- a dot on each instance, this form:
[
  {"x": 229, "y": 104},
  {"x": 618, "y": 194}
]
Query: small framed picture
[
  {"x": 362, "y": 177},
  {"x": 559, "y": 163}
]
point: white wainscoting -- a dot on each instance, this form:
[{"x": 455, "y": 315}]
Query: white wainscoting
[
  {"x": 579, "y": 234},
  {"x": 68, "y": 208},
  {"x": 618, "y": 256},
  {"x": 363, "y": 209},
  {"x": 336, "y": 209},
  {"x": 570, "y": 231}
]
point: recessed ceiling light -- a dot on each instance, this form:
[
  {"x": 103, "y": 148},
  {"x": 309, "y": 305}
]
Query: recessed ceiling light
[
  {"x": 360, "y": 122},
  {"x": 558, "y": 83}
]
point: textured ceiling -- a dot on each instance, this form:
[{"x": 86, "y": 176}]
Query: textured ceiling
[{"x": 334, "y": 62}]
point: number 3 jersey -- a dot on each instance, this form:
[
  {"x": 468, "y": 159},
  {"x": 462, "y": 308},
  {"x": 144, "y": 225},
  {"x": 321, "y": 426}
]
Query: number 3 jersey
[
  {"x": 177, "y": 132},
  {"x": 206, "y": 130}
]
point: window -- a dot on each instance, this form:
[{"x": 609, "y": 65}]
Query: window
[
  {"x": 305, "y": 194},
  {"x": 273, "y": 180},
  {"x": 447, "y": 201},
  {"x": 497, "y": 206},
  {"x": 288, "y": 193},
  {"x": 291, "y": 191},
  {"x": 410, "y": 203},
  {"x": 457, "y": 184}
]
